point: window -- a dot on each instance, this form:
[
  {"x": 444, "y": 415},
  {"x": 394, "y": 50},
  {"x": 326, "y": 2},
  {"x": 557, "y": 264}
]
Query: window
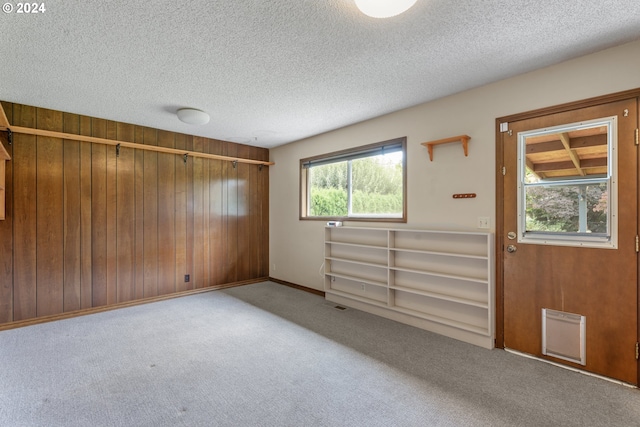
[
  {"x": 567, "y": 189},
  {"x": 364, "y": 183}
]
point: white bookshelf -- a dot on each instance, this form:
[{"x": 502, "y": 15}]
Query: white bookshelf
[{"x": 442, "y": 281}]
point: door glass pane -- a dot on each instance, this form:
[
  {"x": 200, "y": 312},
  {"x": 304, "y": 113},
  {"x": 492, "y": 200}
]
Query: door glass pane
[
  {"x": 567, "y": 184},
  {"x": 580, "y": 208}
]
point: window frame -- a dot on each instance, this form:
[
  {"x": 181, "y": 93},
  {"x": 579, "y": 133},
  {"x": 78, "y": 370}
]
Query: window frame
[
  {"x": 573, "y": 239},
  {"x": 341, "y": 156}
]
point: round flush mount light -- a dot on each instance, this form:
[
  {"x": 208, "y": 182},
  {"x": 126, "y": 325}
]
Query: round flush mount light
[
  {"x": 192, "y": 116},
  {"x": 384, "y": 8}
]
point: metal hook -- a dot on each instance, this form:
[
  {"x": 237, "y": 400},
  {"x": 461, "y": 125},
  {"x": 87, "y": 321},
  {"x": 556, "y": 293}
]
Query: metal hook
[
  {"x": 234, "y": 163},
  {"x": 10, "y": 135},
  {"x": 117, "y": 150},
  {"x": 260, "y": 167},
  {"x": 184, "y": 157}
]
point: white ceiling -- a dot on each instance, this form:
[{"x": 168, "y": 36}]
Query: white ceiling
[{"x": 271, "y": 72}]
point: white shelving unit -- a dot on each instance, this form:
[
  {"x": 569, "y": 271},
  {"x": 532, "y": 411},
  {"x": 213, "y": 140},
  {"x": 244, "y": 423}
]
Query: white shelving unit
[{"x": 441, "y": 281}]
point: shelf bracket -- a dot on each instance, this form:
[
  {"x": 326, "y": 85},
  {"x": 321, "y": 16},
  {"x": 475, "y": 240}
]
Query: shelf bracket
[{"x": 464, "y": 139}]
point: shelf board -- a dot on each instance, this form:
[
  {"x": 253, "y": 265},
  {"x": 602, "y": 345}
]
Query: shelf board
[
  {"x": 445, "y": 275},
  {"x": 443, "y": 297},
  {"x": 460, "y": 325},
  {"x": 464, "y": 139},
  {"x": 449, "y": 254},
  {"x": 357, "y": 279},
  {"x": 357, "y": 298},
  {"x": 353, "y": 261},
  {"x": 452, "y": 232},
  {"x": 356, "y": 245}
]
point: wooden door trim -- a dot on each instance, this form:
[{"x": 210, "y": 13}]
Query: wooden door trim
[{"x": 499, "y": 238}]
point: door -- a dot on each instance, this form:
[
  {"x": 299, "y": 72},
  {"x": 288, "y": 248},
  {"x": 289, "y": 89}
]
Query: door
[{"x": 569, "y": 227}]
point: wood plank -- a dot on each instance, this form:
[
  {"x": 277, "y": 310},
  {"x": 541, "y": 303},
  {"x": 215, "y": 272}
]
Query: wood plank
[
  {"x": 6, "y": 230},
  {"x": 264, "y": 227},
  {"x": 216, "y": 246},
  {"x": 224, "y": 220},
  {"x": 564, "y": 137},
  {"x": 112, "y": 200},
  {"x": 166, "y": 216},
  {"x": 72, "y": 215},
  {"x": 125, "y": 216},
  {"x": 86, "y": 268},
  {"x": 150, "y": 215},
  {"x": 254, "y": 217},
  {"x": 180, "y": 215},
  {"x": 232, "y": 215},
  {"x": 198, "y": 216},
  {"x": 49, "y": 213},
  {"x": 586, "y": 163},
  {"x": 24, "y": 184},
  {"x": 206, "y": 205},
  {"x": 245, "y": 243},
  {"x": 139, "y": 215},
  {"x": 190, "y": 216},
  {"x": 99, "y": 216}
]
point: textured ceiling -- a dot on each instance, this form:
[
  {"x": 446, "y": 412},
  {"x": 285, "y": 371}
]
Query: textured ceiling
[{"x": 275, "y": 71}]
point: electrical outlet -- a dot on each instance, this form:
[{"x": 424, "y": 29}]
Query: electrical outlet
[
  {"x": 483, "y": 221},
  {"x": 187, "y": 278}
]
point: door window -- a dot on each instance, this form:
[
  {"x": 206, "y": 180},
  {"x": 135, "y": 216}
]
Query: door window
[{"x": 567, "y": 185}]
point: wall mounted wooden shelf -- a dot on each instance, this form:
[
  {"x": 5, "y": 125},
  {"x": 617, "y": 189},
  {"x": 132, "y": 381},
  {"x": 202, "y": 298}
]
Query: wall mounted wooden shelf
[{"x": 464, "y": 139}]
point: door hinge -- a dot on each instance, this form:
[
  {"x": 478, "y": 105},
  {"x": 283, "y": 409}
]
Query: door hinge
[
  {"x": 637, "y": 243},
  {"x": 637, "y": 351},
  {"x": 636, "y": 136},
  {"x": 504, "y": 170}
]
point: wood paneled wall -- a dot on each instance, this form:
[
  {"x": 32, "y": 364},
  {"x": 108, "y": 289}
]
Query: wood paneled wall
[{"x": 86, "y": 228}]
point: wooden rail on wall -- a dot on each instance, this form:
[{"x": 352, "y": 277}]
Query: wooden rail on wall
[{"x": 4, "y": 126}]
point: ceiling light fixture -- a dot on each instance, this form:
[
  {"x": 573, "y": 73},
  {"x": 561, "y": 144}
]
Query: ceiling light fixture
[
  {"x": 193, "y": 116},
  {"x": 384, "y": 8}
]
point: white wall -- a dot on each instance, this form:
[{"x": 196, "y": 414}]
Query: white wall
[{"x": 296, "y": 247}]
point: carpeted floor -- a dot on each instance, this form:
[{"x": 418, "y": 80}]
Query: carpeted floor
[{"x": 268, "y": 355}]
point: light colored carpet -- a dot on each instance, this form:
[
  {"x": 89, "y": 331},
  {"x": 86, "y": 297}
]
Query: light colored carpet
[{"x": 268, "y": 355}]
